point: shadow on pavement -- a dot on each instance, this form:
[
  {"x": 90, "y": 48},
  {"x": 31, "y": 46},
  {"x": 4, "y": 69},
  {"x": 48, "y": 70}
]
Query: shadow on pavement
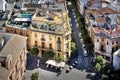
[
  {"x": 32, "y": 62},
  {"x": 91, "y": 77}
]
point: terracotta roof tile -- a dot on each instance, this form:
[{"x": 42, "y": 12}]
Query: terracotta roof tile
[
  {"x": 100, "y": 19},
  {"x": 107, "y": 10},
  {"x": 112, "y": 32},
  {"x": 118, "y": 17}
]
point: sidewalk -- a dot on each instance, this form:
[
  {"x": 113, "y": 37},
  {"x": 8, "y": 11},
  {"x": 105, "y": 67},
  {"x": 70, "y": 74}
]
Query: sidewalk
[{"x": 28, "y": 74}]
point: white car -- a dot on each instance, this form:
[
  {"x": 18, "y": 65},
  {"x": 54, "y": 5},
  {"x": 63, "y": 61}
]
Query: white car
[
  {"x": 83, "y": 45},
  {"x": 81, "y": 40},
  {"x": 80, "y": 35},
  {"x": 85, "y": 52}
]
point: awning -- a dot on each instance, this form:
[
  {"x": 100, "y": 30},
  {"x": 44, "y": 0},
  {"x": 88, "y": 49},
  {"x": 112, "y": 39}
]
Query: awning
[
  {"x": 55, "y": 63},
  {"x": 22, "y": 19}
]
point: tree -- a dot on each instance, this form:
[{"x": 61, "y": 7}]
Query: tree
[
  {"x": 34, "y": 51},
  {"x": 48, "y": 54},
  {"x": 100, "y": 60},
  {"x": 89, "y": 47},
  {"x": 73, "y": 47},
  {"x": 105, "y": 77},
  {"x": 98, "y": 67},
  {"x": 35, "y": 76},
  {"x": 60, "y": 57}
]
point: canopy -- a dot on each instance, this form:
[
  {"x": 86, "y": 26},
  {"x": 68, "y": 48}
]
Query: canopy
[
  {"x": 55, "y": 63},
  {"x": 22, "y": 19}
]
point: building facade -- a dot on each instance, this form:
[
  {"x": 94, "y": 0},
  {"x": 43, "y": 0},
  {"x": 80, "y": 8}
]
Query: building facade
[
  {"x": 48, "y": 29},
  {"x": 116, "y": 60},
  {"x": 12, "y": 56},
  {"x": 104, "y": 29}
]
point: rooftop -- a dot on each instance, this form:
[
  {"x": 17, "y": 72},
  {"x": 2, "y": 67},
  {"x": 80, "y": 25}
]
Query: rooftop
[
  {"x": 107, "y": 10},
  {"x": 50, "y": 21},
  {"x": 102, "y": 23},
  {"x": 19, "y": 19},
  {"x": 13, "y": 47},
  {"x": 50, "y": 6}
]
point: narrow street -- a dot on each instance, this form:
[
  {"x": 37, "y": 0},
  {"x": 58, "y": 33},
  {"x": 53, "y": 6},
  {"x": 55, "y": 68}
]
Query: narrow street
[{"x": 84, "y": 62}]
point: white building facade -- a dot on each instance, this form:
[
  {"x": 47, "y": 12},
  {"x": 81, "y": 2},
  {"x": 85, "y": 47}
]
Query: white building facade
[{"x": 116, "y": 60}]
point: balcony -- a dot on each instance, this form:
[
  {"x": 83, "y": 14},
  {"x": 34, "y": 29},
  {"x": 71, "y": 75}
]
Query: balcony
[
  {"x": 42, "y": 39},
  {"x": 102, "y": 52}
]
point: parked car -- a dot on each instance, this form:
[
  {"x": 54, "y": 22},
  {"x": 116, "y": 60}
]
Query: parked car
[
  {"x": 80, "y": 35},
  {"x": 70, "y": 67},
  {"x": 81, "y": 40},
  {"x": 85, "y": 52},
  {"x": 76, "y": 62},
  {"x": 68, "y": 70},
  {"x": 83, "y": 45}
]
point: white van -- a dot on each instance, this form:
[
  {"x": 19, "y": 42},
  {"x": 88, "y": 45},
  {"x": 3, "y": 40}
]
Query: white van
[{"x": 85, "y": 52}]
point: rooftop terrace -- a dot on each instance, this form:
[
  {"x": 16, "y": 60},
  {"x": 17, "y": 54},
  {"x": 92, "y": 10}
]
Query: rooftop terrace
[
  {"x": 49, "y": 21},
  {"x": 19, "y": 20}
]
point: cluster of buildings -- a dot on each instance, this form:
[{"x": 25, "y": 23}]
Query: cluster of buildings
[
  {"x": 102, "y": 21},
  {"x": 41, "y": 24}
]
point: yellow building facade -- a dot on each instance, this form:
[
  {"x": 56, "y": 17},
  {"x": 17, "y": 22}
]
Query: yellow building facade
[{"x": 48, "y": 31}]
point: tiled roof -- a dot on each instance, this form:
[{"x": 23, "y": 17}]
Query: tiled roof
[
  {"x": 100, "y": 19},
  {"x": 112, "y": 32},
  {"x": 13, "y": 47},
  {"x": 93, "y": 11},
  {"x": 107, "y": 10},
  {"x": 118, "y": 17},
  {"x": 117, "y": 31},
  {"x": 91, "y": 2}
]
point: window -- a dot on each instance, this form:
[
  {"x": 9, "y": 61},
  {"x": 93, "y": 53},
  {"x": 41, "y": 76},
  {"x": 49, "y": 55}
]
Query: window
[
  {"x": 16, "y": 68},
  {"x": 43, "y": 38},
  {"x": 36, "y": 43},
  {"x": 10, "y": 78},
  {"x": 59, "y": 54},
  {"x": 21, "y": 33},
  {"x": 97, "y": 40},
  {"x": 59, "y": 47},
  {"x": 35, "y": 35},
  {"x": 112, "y": 43},
  {"x": 15, "y": 31},
  {"x": 27, "y": 34},
  {"x": 59, "y": 40},
  {"x": 112, "y": 50},
  {"x": 102, "y": 48},
  {"x": 43, "y": 45},
  {"x": 50, "y": 37},
  {"x": 116, "y": 48},
  {"x": 102, "y": 39},
  {"x": 50, "y": 46},
  {"x": 116, "y": 42},
  {"x": 107, "y": 43}
]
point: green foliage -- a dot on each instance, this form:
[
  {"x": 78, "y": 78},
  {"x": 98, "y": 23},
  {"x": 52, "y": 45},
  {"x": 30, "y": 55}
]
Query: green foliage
[
  {"x": 60, "y": 57},
  {"x": 100, "y": 60},
  {"x": 35, "y": 76},
  {"x": 34, "y": 51},
  {"x": 98, "y": 67},
  {"x": 105, "y": 77},
  {"x": 73, "y": 47},
  {"x": 73, "y": 40},
  {"x": 89, "y": 47},
  {"x": 48, "y": 54}
]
